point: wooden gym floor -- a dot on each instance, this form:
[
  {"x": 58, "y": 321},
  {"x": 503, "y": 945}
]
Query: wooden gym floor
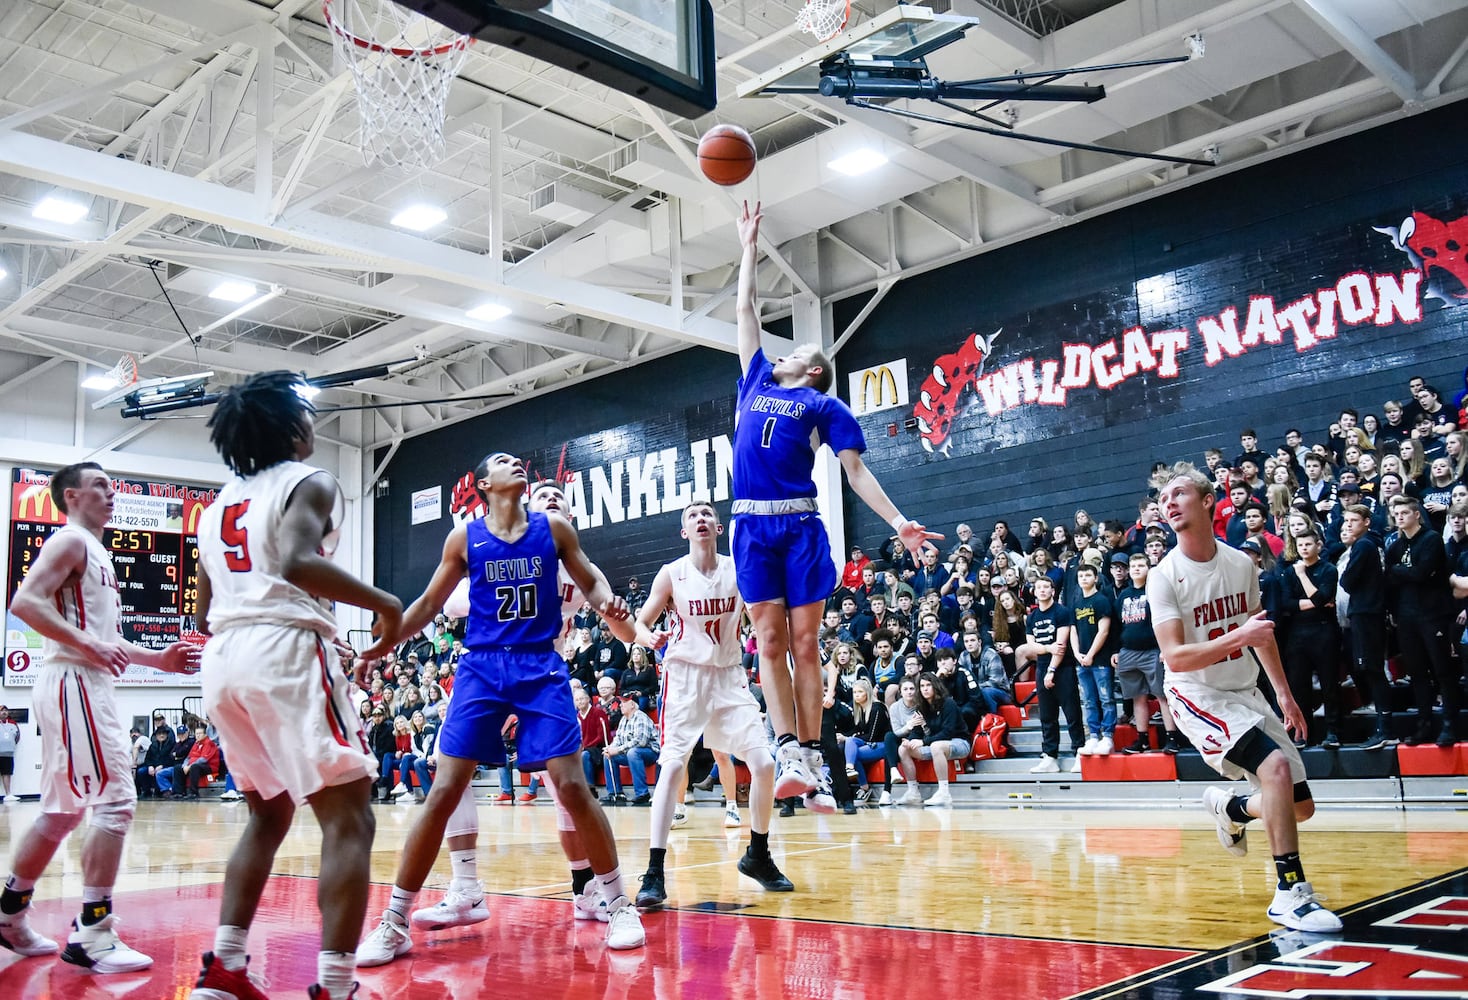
[{"x": 1048, "y": 902}]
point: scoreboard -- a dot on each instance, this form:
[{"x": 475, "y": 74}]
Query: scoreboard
[{"x": 154, "y": 551}]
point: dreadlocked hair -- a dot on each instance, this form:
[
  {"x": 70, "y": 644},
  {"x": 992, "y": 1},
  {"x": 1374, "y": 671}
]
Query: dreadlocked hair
[{"x": 257, "y": 423}]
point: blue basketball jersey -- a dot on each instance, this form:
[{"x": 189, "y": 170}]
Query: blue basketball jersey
[
  {"x": 513, "y": 595},
  {"x": 773, "y": 432}
]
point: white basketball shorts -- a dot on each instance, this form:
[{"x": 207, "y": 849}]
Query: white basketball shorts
[{"x": 710, "y": 701}]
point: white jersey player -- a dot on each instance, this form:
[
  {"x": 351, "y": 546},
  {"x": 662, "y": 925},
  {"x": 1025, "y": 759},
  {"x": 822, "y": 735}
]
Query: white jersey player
[
  {"x": 1213, "y": 638},
  {"x": 705, "y": 692},
  {"x": 71, "y": 597}
]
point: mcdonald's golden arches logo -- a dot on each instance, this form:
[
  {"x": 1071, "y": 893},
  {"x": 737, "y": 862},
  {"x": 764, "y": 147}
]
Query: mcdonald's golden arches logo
[
  {"x": 33, "y": 503},
  {"x": 881, "y": 387}
]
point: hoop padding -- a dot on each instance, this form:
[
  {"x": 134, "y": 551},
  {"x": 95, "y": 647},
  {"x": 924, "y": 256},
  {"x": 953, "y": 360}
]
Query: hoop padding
[
  {"x": 403, "y": 65},
  {"x": 823, "y": 18}
]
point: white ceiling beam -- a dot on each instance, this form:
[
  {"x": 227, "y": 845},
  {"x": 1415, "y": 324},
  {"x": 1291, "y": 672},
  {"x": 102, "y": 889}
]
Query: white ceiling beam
[
  {"x": 239, "y": 358},
  {"x": 1354, "y": 39},
  {"x": 164, "y": 193}
]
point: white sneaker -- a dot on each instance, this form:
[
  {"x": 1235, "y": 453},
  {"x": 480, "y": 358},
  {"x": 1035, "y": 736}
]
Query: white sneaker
[
  {"x": 793, "y": 778},
  {"x": 942, "y": 797},
  {"x": 17, "y": 934},
  {"x": 1090, "y": 747},
  {"x": 819, "y": 799},
  {"x": 1104, "y": 746},
  {"x": 589, "y": 905},
  {"x": 389, "y": 941},
  {"x": 460, "y": 907},
  {"x": 680, "y": 815},
  {"x": 1075, "y": 765},
  {"x": 1230, "y": 834},
  {"x": 399, "y": 789},
  {"x": 911, "y": 797},
  {"x": 1047, "y": 765},
  {"x": 97, "y": 947},
  {"x": 886, "y": 799},
  {"x": 731, "y": 815},
  {"x": 230, "y": 796},
  {"x": 624, "y": 926},
  {"x": 1299, "y": 908}
]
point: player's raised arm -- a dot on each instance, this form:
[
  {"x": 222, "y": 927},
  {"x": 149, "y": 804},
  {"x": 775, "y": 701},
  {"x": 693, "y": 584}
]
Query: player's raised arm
[
  {"x": 865, "y": 485},
  {"x": 746, "y": 309},
  {"x": 303, "y": 525},
  {"x": 451, "y": 569},
  {"x": 63, "y": 558},
  {"x": 585, "y": 574},
  {"x": 659, "y": 596}
]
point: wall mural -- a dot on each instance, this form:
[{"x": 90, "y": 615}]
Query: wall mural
[{"x": 969, "y": 384}]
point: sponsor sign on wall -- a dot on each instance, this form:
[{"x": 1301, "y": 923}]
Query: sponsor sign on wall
[
  {"x": 881, "y": 387},
  {"x": 427, "y": 504}
]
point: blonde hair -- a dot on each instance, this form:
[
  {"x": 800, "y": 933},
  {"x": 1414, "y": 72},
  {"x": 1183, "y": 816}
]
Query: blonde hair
[{"x": 1184, "y": 470}]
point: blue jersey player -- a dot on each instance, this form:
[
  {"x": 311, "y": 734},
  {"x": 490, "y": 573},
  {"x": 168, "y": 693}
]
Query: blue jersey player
[
  {"x": 509, "y": 667},
  {"x": 781, "y": 552}
]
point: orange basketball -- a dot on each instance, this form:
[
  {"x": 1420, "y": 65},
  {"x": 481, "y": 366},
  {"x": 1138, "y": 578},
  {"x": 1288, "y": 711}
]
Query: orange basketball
[{"x": 726, "y": 154}]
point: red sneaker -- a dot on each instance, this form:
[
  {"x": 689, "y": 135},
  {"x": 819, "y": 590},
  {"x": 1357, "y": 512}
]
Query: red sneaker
[
  {"x": 503, "y": 797},
  {"x": 317, "y": 993},
  {"x": 526, "y": 797},
  {"x": 218, "y": 983}
]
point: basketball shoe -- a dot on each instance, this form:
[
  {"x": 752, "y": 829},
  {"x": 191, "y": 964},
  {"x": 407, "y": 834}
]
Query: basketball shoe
[
  {"x": 97, "y": 947},
  {"x": 793, "y": 778},
  {"x": 819, "y": 798},
  {"x": 680, "y": 815},
  {"x": 461, "y": 906},
  {"x": 317, "y": 993},
  {"x": 654, "y": 890},
  {"x": 624, "y": 926},
  {"x": 764, "y": 871},
  {"x": 389, "y": 941},
  {"x": 1231, "y": 835},
  {"x": 218, "y": 983},
  {"x": 589, "y": 905},
  {"x": 731, "y": 815},
  {"x": 1299, "y": 909},
  {"x": 17, "y": 934}
]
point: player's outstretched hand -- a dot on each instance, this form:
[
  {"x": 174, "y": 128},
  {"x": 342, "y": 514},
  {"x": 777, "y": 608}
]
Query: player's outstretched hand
[
  {"x": 615, "y": 609},
  {"x": 749, "y": 225},
  {"x": 913, "y": 535},
  {"x": 385, "y": 630},
  {"x": 109, "y": 656},
  {"x": 181, "y": 658}
]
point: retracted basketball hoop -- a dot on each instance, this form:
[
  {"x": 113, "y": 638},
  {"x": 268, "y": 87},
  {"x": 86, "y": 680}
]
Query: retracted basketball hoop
[
  {"x": 403, "y": 65},
  {"x": 823, "y": 18}
]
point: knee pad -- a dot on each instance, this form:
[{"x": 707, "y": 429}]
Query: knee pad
[
  {"x": 464, "y": 820},
  {"x": 54, "y": 827},
  {"x": 113, "y": 818},
  {"x": 564, "y": 822}
]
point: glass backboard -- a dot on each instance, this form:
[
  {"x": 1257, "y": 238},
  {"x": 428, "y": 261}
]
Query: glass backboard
[
  {"x": 903, "y": 32},
  {"x": 661, "y": 51}
]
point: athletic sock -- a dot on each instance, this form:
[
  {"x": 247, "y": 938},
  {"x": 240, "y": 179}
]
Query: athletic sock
[
  {"x": 1238, "y": 809},
  {"x": 464, "y": 865},
  {"x": 581, "y": 876},
  {"x": 655, "y": 856},
  {"x": 811, "y": 745},
  {"x": 759, "y": 843},
  {"x": 400, "y": 905},
  {"x": 96, "y": 904},
  {"x": 17, "y": 895},
  {"x": 335, "y": 971},
  {"x": 611, "y": 885},
  {"x": 229, "y": 946},
  {"x": 1289, "y": 869},
  {"x": 783, "y": 739}
]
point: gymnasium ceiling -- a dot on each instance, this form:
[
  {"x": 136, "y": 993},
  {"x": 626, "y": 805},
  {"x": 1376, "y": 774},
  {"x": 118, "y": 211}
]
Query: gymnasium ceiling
[{"x": 216, "y": 139}]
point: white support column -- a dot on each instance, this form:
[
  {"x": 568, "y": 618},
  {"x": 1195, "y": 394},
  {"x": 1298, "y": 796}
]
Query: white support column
[
  {"x": 810, "y": 321},
  {"x": 355, "y": 552}
]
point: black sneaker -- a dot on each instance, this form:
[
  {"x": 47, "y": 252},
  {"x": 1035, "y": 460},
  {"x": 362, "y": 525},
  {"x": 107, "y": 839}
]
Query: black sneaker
[
  {"x": 1175, "y": 744},
  {"x": 1331, "y": 741},
  {"x": 764, "y": 871},
  {"x": 1138, "y": 745},
  {"x": 848, "y": 808},
  {"x": 1422, "y": 734},
  {"x": 1449, "y": 735},
  {"x": 787, "y": 808},
  {"x": 644, "y": 799},
  {"x": 654, "y": 891},
  {"x": 1379, "y": 741}
]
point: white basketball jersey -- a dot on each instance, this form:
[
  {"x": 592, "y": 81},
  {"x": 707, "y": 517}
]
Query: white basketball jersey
[
  {"x": 706, "y": 614},
  {"x": 1209, "y": 598},
  {"x": 92, "y": 604},
  {"x": 238, "y": 548}
]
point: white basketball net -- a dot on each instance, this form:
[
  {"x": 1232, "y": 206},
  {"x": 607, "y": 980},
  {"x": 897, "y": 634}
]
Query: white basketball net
[
  {"x": 823, "y": 18},
  {"x": 404, "y": 65}
]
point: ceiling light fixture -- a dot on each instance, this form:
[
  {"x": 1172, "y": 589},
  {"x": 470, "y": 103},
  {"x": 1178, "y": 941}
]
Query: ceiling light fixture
[
  {"x": 54, "y": 208},
  {"x": 233, "y": 290},
  {"x": 104, "y": 381},
  {"x": 489, "y": 312},
  {"x": 859, "y": 162},
  {"x": 275, "y": 292},
  {"x": 419, "y": 217}
]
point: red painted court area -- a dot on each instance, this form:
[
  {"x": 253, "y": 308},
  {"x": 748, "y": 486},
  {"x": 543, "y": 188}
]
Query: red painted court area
[{"x": 530, "y": 948}]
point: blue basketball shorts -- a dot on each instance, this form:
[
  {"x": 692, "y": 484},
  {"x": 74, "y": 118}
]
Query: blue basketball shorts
[
  {"x": 783, "y": 557},
  {"x": 492, "y": 685}
]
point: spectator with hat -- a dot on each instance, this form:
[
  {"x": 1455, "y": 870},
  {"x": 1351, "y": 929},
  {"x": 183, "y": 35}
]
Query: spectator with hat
[
  {"x": 635, "y": 747},
  {"x": 183, "y": 743},
  {"x": 851, "y": 572}
]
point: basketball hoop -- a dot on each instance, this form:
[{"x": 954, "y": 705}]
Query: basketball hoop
[
  {"x": 823, "y": 18},
  {"x": 125, "y": 372},
  {"x": 403, "y": 65}
]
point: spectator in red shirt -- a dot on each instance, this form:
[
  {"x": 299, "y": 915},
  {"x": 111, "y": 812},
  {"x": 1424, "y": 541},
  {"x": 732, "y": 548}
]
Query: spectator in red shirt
[
  {"x": 202, "y": 761},
  {"x": 596, "y": 733},
  {"x": 851, "y": 574}
]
